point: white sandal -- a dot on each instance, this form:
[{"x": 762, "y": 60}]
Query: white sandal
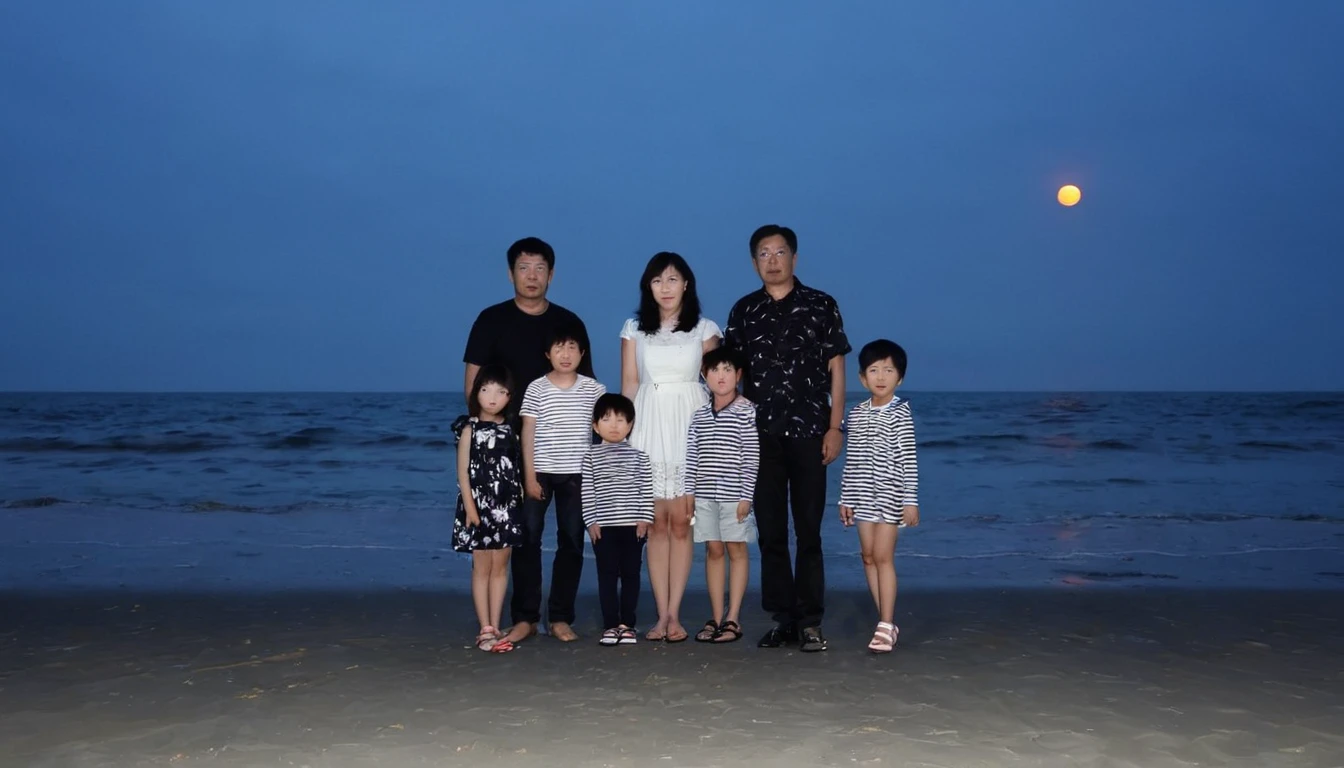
[{"x": 884, "y": 638}]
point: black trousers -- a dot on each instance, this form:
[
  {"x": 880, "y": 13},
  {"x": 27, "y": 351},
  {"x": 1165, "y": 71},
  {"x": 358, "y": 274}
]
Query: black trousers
[
  {"x": 791, "y": 477},
  {"x": 568, "y": 566},
  {"x": 619, "y": 554}
]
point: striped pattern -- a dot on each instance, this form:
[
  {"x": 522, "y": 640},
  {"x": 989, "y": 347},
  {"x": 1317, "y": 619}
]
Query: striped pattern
[
  {"x": 564, "y": 422},
  {"x": 723, "y": 453},
  {"x": 881, "y": 474},
  {"x": 617, "y": 485}
]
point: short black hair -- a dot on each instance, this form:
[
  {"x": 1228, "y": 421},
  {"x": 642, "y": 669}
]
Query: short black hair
[
  {"x": 615, "y": 403},
  {"x": 720, "y": 355},
  {"x": 649, "y": 319},
  {"x": 770, "y": 230},
  {"x": 535, "y": 246},
  {"x": 882, "y": 349},
  {"x": 564, "y": 332},
  {"x": 489, "y": 374}
]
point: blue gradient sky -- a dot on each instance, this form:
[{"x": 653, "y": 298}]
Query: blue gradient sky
[{"x": 318, "y": 195}]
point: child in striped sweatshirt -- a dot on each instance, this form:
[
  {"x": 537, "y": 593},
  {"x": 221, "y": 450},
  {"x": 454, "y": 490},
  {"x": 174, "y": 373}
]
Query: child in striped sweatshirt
[
  {"x": 879, "y": 487},
  {"x": 722, "y": 460},
  {"x": 618, "y": 510}
]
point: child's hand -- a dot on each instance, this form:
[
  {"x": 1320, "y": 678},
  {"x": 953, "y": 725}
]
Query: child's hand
[
  {"x": 641, "y": 530},
  {"x": 743, "y": 510},
  {"x": 910, "y": 514},
  {"x": 595, "y": 531},
  {"x": 533, "y": 487},
  {"x": 846, "y": 515},
  {"x": 688, "y": 508}
]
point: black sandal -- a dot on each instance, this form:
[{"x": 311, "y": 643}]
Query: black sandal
[
  {"x": 728, "y": 628},
  {"x": 708, "y": 632}
]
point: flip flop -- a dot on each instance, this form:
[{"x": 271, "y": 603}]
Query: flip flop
[
  {"x": 503, "y": 646},
  {"x": 678, "y": 638},
  {"x": 655, "y": 635}
]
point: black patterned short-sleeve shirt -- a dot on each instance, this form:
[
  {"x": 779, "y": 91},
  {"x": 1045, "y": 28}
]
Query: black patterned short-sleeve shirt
[{"x": 788, "y": 345}]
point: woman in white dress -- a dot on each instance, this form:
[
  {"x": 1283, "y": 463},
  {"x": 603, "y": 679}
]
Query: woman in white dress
[{"x": 660, "y": 370}]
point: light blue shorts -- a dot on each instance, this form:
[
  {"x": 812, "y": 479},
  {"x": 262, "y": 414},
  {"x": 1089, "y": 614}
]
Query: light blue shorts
[{"x": 717, "y": 521}]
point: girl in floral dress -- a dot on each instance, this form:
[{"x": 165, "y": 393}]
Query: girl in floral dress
[{"x": 490, "y": 495}]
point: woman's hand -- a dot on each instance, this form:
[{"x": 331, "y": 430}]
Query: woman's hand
[
  {"x": 473, "y": 516},
  {"x": 846, "y": 515}
]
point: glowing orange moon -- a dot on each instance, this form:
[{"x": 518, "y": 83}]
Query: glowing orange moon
[{"x": 1069, "y": 195}]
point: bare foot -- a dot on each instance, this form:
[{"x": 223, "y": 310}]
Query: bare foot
[
  {"x": 563, "y": 632},
  {"x": 520, "y": 632}
]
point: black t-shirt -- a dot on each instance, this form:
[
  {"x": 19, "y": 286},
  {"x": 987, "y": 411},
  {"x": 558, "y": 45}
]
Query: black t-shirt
[{"x": 505, "y": 335}]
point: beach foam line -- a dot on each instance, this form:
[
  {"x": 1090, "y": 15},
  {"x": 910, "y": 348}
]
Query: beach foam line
[
  {"x": 920, "y": 555},
  {"x": 1117, "y": 553}
]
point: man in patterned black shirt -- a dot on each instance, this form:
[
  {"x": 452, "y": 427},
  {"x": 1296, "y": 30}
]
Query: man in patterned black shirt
[{"x": 794, "y": 342}]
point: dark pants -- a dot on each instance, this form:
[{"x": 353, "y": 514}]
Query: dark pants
[
  {"x": 568, "y": 565},
  {"x": 791, "y": 474},
  {"x": 619, "y": 552}
]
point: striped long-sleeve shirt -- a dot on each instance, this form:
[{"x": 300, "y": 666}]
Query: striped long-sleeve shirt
[
  {"x": 617, "y": 485},
  {"x": 723, "y": 453},
  {"x": 881, "y": 473}
]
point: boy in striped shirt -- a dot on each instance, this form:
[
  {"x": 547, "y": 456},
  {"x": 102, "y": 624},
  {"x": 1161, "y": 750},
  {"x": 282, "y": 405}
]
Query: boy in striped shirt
[
  {"x": 880, "y": 485},
  {"x": 618, "y": 510},
  {"x": 722, "y": 459},
  {"x": 557, "y": 431}
]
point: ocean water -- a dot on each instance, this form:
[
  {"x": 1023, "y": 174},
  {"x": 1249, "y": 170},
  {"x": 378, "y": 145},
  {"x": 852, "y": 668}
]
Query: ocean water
[{"x": 1076, "y": 488}]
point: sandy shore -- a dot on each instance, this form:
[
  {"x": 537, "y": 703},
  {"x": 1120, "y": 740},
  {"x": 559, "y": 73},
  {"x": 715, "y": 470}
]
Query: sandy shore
[{"x": 1144, "y": 678}]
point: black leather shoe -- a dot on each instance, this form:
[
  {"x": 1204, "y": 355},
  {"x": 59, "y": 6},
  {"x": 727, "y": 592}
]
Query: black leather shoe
[
  {"x": 780, "y": 634},
  {"x": 813, "y": 640}
]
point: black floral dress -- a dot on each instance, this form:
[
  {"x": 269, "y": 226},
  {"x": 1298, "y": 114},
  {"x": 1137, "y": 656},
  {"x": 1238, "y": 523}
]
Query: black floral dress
[{"x": 494, "y": 469}]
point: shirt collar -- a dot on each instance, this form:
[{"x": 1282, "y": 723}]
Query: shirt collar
[{"x": 797, "y": 288}]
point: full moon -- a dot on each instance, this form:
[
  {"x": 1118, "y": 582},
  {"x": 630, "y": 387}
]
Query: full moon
[{"x": 1069, "y": 195}]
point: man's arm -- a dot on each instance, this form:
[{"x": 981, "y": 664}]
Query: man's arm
[
  {"x": 586, "y": 364},
  {"x": 479, "y": 347},
  {"x": 834, "y": 439},
  {"x": 470, "y": 380}
]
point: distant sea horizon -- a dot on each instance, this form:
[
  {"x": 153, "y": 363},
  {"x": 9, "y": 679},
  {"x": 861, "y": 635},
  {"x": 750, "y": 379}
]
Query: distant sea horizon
[{"x": 849, "y": 393}]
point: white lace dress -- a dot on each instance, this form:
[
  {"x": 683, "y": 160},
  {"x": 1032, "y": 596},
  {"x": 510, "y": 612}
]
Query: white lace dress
[{"x": 669, "y": 392}]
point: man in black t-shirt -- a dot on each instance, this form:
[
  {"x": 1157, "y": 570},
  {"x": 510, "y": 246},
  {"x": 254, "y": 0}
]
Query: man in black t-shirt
[{"x": 515, "y": 334}]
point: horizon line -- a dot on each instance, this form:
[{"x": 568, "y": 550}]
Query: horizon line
[{"x": 848, "y": 393}]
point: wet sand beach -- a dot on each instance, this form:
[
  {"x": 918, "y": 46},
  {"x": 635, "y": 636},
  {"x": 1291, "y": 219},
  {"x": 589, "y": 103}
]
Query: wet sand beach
[{"x": 995, "y": 677}]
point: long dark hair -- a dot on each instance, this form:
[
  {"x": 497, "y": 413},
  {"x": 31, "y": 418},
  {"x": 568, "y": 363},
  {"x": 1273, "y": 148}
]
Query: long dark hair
[
  {"x": 490, "y": 374},
  {"x": 649, "y": 319}
]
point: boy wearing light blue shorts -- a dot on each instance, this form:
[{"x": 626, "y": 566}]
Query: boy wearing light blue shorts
[{"x": 722, "y": 459}]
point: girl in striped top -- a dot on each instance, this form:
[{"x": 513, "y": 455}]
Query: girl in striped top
[
  {"x": 618, "y": 510},
  {"x": 880, "y": 484}
]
